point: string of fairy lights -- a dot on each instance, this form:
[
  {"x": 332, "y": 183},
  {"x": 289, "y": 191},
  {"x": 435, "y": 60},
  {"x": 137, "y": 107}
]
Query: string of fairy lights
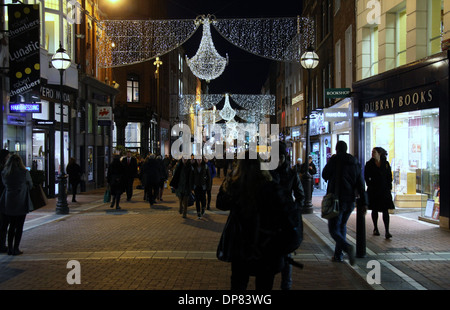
[{"x": 125, "y": 42}]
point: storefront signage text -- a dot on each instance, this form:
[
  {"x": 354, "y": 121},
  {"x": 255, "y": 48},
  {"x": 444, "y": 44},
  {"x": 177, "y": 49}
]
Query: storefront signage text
[
  {"x": 415, "y": 100},
  {"x": 54, "y": 94},
  {"x": 25, "y": 108}
]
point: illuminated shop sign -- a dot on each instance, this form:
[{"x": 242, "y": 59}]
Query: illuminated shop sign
[
  {"x": 25, "y": 108},
  {"x": 336, "y": 114},
  {"x": 417, "y": 99}
]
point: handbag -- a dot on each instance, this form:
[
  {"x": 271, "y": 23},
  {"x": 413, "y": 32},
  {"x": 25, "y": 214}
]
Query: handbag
[
  {"x": 330, "y": 202},
  {"x": 191, "y": 199},
  {"x": 228, "y": 241},
  {"x": 107, "y": 196},
  {"x": 330, "y": 206}
]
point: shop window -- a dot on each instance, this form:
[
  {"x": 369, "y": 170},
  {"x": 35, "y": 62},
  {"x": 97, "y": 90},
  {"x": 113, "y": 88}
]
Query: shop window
[
  {"x": 133, "y": 135},
  {"x": 435, "y": 26},
  {"x": 412, "y": 142}
]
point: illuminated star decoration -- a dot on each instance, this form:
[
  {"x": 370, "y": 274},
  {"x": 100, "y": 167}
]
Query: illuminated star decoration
[{"x": 207, "y": 64}]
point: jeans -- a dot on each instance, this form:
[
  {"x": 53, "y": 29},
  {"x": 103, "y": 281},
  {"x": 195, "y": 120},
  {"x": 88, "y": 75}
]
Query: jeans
[
  {"x": 337, "y": 227},
  {"x": 286, "y": 275}
]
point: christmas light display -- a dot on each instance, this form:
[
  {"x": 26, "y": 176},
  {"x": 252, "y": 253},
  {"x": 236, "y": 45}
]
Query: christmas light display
[
  {"x": 126, "y": 42},
  {"x": 207, "y": 64}
]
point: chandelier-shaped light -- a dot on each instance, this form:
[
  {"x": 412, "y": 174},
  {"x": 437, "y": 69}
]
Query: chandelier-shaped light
[
  {"x": 227, "y": 112},
  {"x": 207, "y": 64}
]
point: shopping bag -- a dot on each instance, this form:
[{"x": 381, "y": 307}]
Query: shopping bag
[
  {"x": 107, "y": 196},
  {"x": 330, "y": 206},
  {"x": 191, "y": 199}
]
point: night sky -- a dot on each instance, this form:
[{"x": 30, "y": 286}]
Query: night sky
[{"x": 245, "y": 73}]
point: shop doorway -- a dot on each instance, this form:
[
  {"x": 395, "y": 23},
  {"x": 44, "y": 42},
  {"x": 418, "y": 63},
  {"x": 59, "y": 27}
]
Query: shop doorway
[{"x": 40, "y": 161}]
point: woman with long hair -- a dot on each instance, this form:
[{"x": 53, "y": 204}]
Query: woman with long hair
[
  {"x": 255, "y": 203},
  {"x": 4, "y": 154},
  {"x": 15, "y": 201},
  {"x": 378, "y": 176}
]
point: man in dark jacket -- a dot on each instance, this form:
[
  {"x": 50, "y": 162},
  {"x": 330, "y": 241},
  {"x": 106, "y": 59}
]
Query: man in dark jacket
[
  {"x": 152, "y": 175},
  {"x": 349, "y": 181},
  {"x": 290, "y": 182},
  {"x": 130, "y": 164}
]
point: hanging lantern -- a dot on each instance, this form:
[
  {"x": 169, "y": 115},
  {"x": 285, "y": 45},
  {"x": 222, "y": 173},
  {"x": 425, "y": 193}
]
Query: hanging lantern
[{"x": 207, "y": 64}]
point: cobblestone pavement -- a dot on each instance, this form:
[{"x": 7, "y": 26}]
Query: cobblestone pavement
[{"x": 154, "y": 248}]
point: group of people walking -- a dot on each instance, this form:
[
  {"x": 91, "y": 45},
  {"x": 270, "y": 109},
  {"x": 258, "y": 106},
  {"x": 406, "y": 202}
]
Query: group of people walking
[
  {"x": 256, "y": 199},
  {"x": 193, "y": 175}
]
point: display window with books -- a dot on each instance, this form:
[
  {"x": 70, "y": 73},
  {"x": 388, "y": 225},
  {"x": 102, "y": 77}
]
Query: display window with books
[{"x": 412, "y": 142}]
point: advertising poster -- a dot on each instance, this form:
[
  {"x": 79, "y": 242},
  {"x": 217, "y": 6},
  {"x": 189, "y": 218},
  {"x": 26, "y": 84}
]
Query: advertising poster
[{"x": 24, "y": 59}]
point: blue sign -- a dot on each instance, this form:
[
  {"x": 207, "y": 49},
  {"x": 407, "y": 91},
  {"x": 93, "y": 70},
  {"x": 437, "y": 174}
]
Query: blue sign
[{"x": 25, "y": 108}]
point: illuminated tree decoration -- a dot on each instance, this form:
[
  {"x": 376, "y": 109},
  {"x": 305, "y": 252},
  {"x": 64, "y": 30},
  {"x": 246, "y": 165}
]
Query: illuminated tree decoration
[{"x": 207, "y": 64}]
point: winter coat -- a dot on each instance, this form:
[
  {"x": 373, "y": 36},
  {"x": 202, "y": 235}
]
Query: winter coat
[
  {"x": 116, "y": 177},
  {"x": 246, "y": 244},
  {"x": 201, "y": 176},
  {"x": 15, "y": 200},
  {"x": 289, "y": 180},
  {"x": 351, "y": 180},
  {"x": 74, "y": 172},
  {"x": 181, "y": 180},
  {"x": 379, "y": 186},
  {"x": 152, "y": 172}
]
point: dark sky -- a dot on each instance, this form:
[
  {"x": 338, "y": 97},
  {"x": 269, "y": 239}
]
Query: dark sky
[{"x": 245, "y": 73}]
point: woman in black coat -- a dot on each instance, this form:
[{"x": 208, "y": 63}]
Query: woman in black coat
[
  {"x": 378, "y": 176},
  {"x": 74, "y": 172},
  {"x": 116, "y": 180},
  {"x": 255, "y": 203}
]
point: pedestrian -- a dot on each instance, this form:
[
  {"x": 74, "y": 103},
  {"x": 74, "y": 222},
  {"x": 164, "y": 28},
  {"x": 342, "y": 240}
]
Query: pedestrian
[
  {"x": 116, "y": 180},
  {"x": 131, "y": 166},
  {"x": 289, "y": 181},
  {"x": 201, "y": 182},
  {"x": 343, "y": 170},
  {"x": 378, "y": 176},
  {"x": 15, "y": 201},
  {"x": 152, "y": 175},
  {"x": 255, "y": 203},
  {"x": 74, "y": 172},
  {"x": 4, "y": 154},
  {"x": 181, "y": 182},
  {"x": 212, "y": 172},
  {"x": 164, "y": 175},
  {"x": 309, "y": 167},
  {"x": 297, "y": 167}
]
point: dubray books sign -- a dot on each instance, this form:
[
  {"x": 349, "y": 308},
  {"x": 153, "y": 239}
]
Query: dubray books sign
[{"x": 24, "y": 59}]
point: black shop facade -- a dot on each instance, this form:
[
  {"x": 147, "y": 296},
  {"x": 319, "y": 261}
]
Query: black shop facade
[{"x": 406, "y": 111}]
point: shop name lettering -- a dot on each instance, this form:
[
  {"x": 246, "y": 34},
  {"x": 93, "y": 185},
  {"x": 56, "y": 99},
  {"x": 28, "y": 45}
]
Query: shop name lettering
[
  {"x": 419, "y": 97},
  {"x": 54, "y": 94}
]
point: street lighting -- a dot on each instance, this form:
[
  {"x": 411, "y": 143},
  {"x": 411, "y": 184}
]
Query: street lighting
[
  {"x": 158, "y": 63},
  {"x": 309, "y": 60},
  {"x": 61, "y": 61}
]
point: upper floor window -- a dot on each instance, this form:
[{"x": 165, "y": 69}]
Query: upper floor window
[
  {"x": 374, "y": 50},
  {"x": 435, "y": 26},
  {"x": 132, "y": 89},
  {"x": 401, "y": 38}
]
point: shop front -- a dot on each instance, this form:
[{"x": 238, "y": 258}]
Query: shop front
[
  {"x": 400, "y": 110},
  {"x": 46, "y": 154}
]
